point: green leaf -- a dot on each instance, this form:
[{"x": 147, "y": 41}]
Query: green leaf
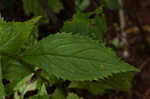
[
  {"x": 82, "y": 24},
  {"x": 74, "y": 57},
  {"x": 93, "y": 87},
  {"x": 79, "y": 24},
  {"x": 2, "y": 91},
  {"x": 43, "y": 90},
  {"x": 73, "y": 96},
  {"x": 81, "y": 27},
  {"x": 33, "y": 38},
  {"x": 50, "y": 78},
  {"x": 13, "y": 71},
  {"x": 13, "y": 35},
  {"x": 100, "y": 27},
  {"x": 26, "y": 84},
  {"x": 42, "y": 94},
  {"x": 58, "y": 94},
  {"x": 81, "y": 5},
  {"x": 16, "y": 95},
  {"x": 111, "y": 4},
  {"x": 120, "y": 82}
]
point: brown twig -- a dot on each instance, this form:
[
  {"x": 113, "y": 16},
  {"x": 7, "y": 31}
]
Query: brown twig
[{"x": 122, "y": 27}]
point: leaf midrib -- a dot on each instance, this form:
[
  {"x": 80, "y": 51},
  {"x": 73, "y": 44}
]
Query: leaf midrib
[{"x": 61, "y": 55}]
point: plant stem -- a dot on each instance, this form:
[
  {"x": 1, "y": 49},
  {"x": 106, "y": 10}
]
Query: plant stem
[{"x": 122, "y": 27}]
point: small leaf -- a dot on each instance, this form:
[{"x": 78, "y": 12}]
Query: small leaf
[
  {"x": 13, "y": 36},
  {"x": 121, "y": 82},
  {"x": 16, "y": 95},
  {"x": 74, "y": 57},
  {"x": 43, "y": 90},
  {"x": 82, "y": 24},
  {"x": 42, "y": 93},
  {"x": 58, "y": 94},
  {"x": 81, "y": 5},
  {"x": 50, "y": 78},
  {"x": 13, "y": 71},
  {"x": 26, "y": 84}
]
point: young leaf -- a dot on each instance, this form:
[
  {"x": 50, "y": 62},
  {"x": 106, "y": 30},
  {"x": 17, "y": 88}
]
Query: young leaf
[
  {"x": 13, "y": 35},
  {"x": 74, "y": 57},
  {"x": 58, "y": 94},
  {"x": 17, "y": 96},
  {"x": 50, "y": 78},
  {"x": 43, "y": 90},
  {"x": 42, "y": 93},
  {"x": 13, "y": 71},
  {"x": 21, "y": 85},
  {"x": 26, "y": 84}
]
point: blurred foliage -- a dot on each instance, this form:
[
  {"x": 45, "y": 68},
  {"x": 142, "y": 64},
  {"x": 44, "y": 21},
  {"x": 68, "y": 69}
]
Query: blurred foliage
[
  {"x": 120, "y": 82},
  {"x": 81, "y": 5},
  {"x": 111, "y": 4},
  {"x": 80, "y": 44},
  {"x": 81, "y": 23},
  {"x": 73, "y": 96},
  {"x": 36, "y": 7}
]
